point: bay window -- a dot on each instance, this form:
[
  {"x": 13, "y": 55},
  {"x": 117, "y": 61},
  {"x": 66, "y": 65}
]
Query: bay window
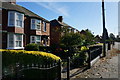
[
  {"x": 18, "y": 41},
  {"x": 15, "y": 19},
  {"x": 35, "y": 39},
  {"x": 35, "y": 24},
  {"x": 15, "y": 41}
]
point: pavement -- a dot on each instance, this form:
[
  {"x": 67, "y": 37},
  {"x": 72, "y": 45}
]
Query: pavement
[
  {"x": 106, "y": 67},
  {"x": 117, "y": 45}
]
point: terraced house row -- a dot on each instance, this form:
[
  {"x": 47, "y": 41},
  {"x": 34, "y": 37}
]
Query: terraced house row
[{"x": 21, "y": 26}]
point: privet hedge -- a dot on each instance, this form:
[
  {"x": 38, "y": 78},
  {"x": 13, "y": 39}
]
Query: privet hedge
[{"x": 10, "y": 57}]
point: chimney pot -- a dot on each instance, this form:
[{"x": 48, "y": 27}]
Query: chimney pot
[
  {"x": 12, "y": 1},
  {"x": 60, "y": 18}
]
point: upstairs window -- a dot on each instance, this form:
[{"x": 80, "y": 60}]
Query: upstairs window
[
  {"x": 11, "y": 18},
  {"x": 35, "y": 24},
  {"x": 44, "y": 26},
  {"x": 15, "y": 19},
  {"x": 19, "y": 19}
]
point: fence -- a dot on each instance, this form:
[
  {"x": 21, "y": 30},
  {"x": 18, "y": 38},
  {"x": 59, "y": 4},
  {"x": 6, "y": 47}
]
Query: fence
[
  {"x": 33, "y": 71},
  {"x": 93, "y": 53}
]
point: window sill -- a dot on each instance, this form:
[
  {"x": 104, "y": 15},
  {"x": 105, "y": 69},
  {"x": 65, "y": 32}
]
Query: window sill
[
  {"x": 36, "y": 29},
  {"x": 15, "y": 48},
  {"x": 44, "y": 31},
  {"x": 16, "y": 26}
]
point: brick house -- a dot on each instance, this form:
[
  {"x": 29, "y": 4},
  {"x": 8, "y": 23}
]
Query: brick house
[
  {"x": 21, "y": 26},
  {"x": 58, "y": 28}
]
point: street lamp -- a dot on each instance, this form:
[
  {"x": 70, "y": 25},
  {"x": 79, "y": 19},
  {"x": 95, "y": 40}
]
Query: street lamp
[{"x": 103, "y": 13}]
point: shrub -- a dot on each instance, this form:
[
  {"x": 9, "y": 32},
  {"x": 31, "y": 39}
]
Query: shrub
[
  {"x": 79, "y": 59},
  {"x": 84, "y": 48},
  {"x": 11, "y": 57},
  {"x": 32, "y": 47},
  {"x": 27, "y": 57},
  {"x": 45, "y": 48}
]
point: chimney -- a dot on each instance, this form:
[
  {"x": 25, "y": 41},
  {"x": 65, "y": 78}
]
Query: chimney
[
  {"x": 60, "y": 18},
  {"x": 12, "y": 1}
]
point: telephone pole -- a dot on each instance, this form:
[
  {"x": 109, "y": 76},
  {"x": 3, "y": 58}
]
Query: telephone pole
[{"x": 103, "y": 13}]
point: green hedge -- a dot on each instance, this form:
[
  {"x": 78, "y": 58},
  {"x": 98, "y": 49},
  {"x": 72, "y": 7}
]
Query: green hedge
[
  {"x": 10, "y": 57},
  {"x": 32, "y": 47}
]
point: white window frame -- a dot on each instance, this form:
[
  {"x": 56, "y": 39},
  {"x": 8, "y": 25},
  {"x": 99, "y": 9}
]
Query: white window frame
[
  {"x": 44, "y": 26},
  {"x": 15, "y": 18},
  {"x": 14, "y": 41},
  {"x": 35, "y": 24},
  {"x": 35, "y": 39},
  {"x": 9, "y": 18}
]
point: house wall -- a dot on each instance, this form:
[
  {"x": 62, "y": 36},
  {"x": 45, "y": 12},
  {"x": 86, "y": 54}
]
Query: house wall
[
  {"x": 4, "y": 40},
  {"x": 26, "y": 30},
  {"x": 54, "y": 35},
  {"x": 29, "y": 32}
]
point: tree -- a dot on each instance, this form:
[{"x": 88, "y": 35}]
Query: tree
[
  {"x": 97, "y": 38},
  {"x": 87, "y": 37},
  {"x": 71, "y": 39},
  {"x": 106, "y": 34},
  {"x": 112, "y": 36},
  {"x": 118, "y": 38}
]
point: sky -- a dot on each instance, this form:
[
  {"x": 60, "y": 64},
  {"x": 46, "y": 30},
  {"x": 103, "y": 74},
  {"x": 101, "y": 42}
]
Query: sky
[{"x": 80, "y": 15}]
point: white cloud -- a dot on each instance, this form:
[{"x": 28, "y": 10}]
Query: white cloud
[{"x": 62, "y": 10}]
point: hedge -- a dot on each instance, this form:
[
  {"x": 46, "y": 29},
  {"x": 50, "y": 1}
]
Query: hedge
[{"x": 10, "y": 57}]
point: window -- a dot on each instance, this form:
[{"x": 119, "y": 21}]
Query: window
[
  {"x": 15, "y": 19},
  {"x": 35, "y": 24},
  {"x": 18, "y": 41},
  {"x": 32, "y": 39},
  {"x": 11, "y": 40},
  {"x": 11, "y": 18},
  {"x": 44, "y": 24},
  {"x": 19, "y": 19},
  {"x": 15, "y": 41},
  {"x": 36, "y": 39}
]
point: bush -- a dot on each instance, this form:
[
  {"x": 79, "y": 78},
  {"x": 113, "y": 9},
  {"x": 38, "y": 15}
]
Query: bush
[
  {"x": 11, "y": 57},
  {"x": 45, "y": 48},
  {"x": 79, "y": 59},
  {"x": 32, "y": 47},
  {"x": 84, "y": 48},
  {"x": 27, "y": 57}
]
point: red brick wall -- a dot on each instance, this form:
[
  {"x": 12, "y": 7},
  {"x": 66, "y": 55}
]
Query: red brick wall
[
  {"x": 26, "y": 30},
  {"x": 4, "y": 19},
  {"x": 47, "y": 29},
  {"x": 4, "y": 40},
  {"x": 29, "y": 32},
  {"x": 54, "y": 35}
]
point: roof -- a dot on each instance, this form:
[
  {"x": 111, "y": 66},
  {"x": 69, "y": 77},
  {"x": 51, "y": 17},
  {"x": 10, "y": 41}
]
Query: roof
[
  {"x": 56, "y": 22},
  {"x": 9, "y": 6}
]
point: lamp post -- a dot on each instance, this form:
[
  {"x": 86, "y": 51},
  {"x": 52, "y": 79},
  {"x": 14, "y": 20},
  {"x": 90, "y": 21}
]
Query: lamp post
[{"x": 103, "y": 13}]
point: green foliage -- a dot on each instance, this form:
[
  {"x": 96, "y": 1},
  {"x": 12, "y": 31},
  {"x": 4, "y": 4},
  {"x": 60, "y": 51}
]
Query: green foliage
[
  {"x": 87, "y": 38},
  {"x": 112, "y": 37},
  {"x": 32, "y": 47},
  {"x": 79, "y": 59},
  {"x": 10, "y": 57},
  {"x": 71, "y": 39},
  {"x": 84, "y": 48}
]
